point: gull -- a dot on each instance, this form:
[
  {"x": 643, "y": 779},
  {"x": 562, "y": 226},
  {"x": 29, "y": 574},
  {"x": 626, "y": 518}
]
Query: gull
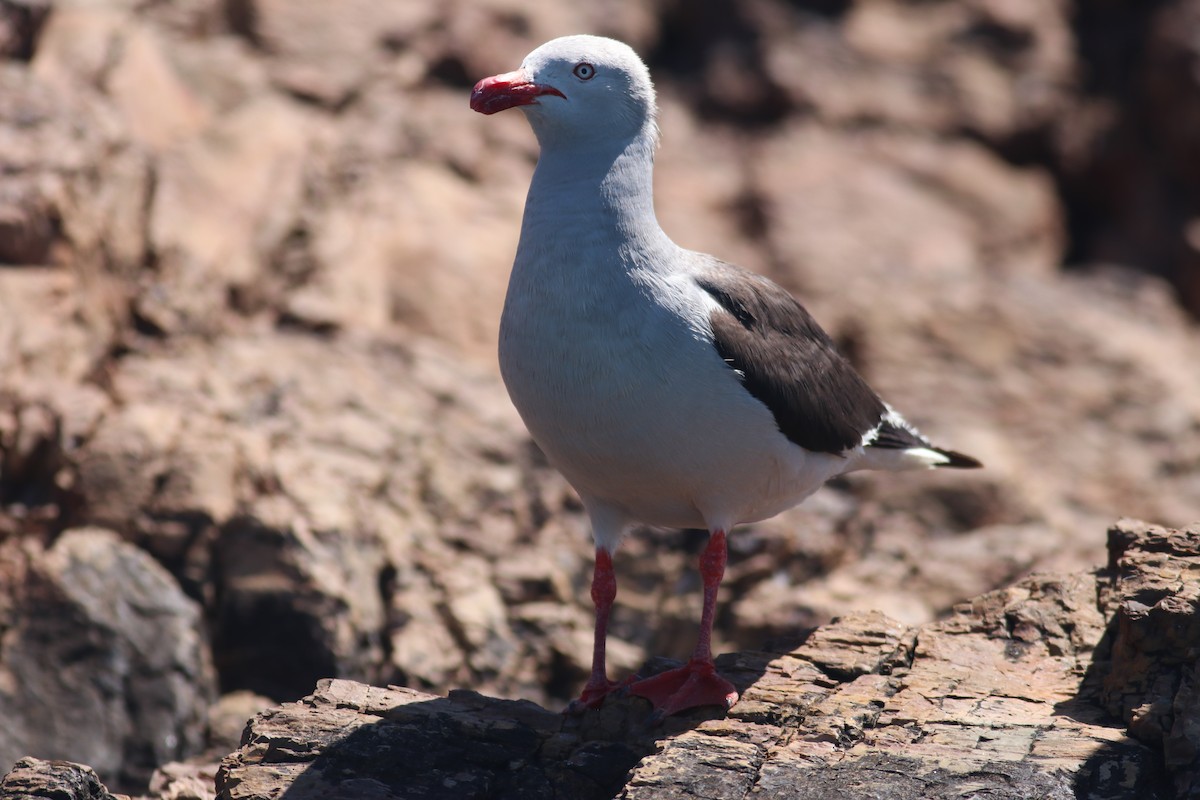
[{"x": 669, "y": 387}]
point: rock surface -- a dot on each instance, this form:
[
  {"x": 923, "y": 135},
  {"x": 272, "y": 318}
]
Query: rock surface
[
  {"x": 1023, "y": 692},
  {"x": 53, "y": 780},
  {"x": 131, "y": 682},
  {"x": 1012, "y": 696},
  {"x": 252, "y": 257}
]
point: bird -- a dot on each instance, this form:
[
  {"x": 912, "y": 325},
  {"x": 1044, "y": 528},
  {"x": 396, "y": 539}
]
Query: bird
[{"x": 669, "y": 387}]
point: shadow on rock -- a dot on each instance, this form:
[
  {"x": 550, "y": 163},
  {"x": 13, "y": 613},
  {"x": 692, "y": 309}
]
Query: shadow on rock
[{"x": 348, "y": 740}]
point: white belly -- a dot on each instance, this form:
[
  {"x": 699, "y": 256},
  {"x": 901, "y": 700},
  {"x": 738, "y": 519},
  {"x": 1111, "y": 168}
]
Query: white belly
[{"x": 639, "y": 412}]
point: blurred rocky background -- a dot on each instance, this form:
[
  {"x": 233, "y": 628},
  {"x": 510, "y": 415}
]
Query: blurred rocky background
[{"x": 252, "y": 259}]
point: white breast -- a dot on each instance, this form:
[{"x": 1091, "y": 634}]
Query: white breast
[{"x": 618, "y": 382}]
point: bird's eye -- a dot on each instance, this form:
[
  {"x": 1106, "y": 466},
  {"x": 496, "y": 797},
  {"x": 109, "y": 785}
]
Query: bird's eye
[{"x": 584, "y": 71}]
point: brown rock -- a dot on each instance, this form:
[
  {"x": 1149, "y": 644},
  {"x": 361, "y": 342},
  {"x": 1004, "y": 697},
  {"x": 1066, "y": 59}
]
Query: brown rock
[
  {"x": 379, "y": 258},
  {"x": 155, "y": 104},
  {"x": 346, "y": 503},
  {"x": 58, "y": 208},
  {"x": 857, "y": 208},
  {"x": 1125, "y": 164},
  {"x": 32, "y": 778},
  {"x": 228, "y": 717},
  {"x": 1149, "y": 681},
  {"x": 996, "y": 699},
  {"x": 183, "y": 781},
  {"x": 107, "y": 48},
  {"x": 223, "y": 205},
  {"x": 323, "y": 53},
  {"x": 40, "y": 322},
  {"x": 463, "y": 746},
  {"x": 20, "y": 23}
]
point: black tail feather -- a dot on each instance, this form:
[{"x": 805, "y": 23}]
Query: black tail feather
[{"x": 957, "y": 460}]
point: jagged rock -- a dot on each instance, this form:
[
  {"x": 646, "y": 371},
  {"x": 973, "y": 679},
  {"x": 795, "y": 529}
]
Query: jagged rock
[
  {"x": 38, "y": 779},
  {"x": 1006, "y": 698},
  {"x": 1149, "y": 680},
  {"x": 106, "y": 46},
  {"x": 998, "y": 69}
]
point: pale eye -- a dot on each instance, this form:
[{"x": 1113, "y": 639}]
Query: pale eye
[{"x": 584, "y": 71}]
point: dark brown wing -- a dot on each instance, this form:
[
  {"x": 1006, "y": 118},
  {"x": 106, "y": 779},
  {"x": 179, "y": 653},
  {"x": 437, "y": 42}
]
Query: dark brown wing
[{"x": 788, "y": 362}]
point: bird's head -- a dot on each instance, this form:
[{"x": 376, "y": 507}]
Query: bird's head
[{"x": 576, "y": 90}]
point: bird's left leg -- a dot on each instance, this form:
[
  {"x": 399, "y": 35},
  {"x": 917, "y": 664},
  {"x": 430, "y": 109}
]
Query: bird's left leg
[{"x": 697, "y": 682}]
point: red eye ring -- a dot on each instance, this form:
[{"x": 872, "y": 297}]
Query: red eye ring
[{"x": 584, "y": 71}]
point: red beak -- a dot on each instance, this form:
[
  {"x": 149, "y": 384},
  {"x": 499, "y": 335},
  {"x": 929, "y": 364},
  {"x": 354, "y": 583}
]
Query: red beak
[{"x": 506, "y": 91}]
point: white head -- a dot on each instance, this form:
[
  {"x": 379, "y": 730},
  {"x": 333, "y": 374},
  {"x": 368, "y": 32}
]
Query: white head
[{"x": 577, "y": 91}]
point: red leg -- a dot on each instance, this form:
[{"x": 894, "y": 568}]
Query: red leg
[
  {"x": 604, "y": 592},
  {"x": 697, "y": 682},
  {"x": 712, "y": 570}
]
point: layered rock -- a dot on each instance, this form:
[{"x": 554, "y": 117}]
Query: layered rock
[{"x": 1013, "y": 695}]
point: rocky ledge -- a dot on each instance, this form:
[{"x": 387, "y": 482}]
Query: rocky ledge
[{"x": 1059, "y": 686}]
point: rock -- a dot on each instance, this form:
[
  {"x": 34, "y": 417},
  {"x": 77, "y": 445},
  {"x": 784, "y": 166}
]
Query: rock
[
  {"x": 1149, "y": 680},
  {"x": 464, "y": 746},
  {"x": 42, "y": 325},
  {"x": 78, "y": 222},
  {"x": 223, "y": 206},
  {"x": 183, "y": 781},
  {"x": 228, "y": 717},
  {"x": 379, "y": 258},
  {"x": 107, "y": 48},
  {"x": 1132, "y": 199},
  {"x": 131, "y": 678},
  {"x": 859, "y": 206},
  {"x": 321, "y": 54},
  {"x": 999, "y": 70},
  {"x": 1005, "y": 697},
  {"x": 33, "y": 778},
  {"x": 1018, "y": 324},
  {"x": 339, "y": 512},
  {"x": 146, "y": 89},
  {"x": 20, "y": 23}
]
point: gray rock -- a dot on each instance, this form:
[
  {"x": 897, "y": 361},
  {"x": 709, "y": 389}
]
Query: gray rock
[
  {"x": 102, "y": 661},
  {"x": 39, "y": 779}
]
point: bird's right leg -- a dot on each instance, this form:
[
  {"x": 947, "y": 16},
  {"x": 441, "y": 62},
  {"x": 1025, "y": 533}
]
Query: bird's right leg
[{"x": 604, "y": 592}]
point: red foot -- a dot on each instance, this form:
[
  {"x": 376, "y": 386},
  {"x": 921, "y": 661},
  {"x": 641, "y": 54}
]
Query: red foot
[
  {"x": 694, "y": 684},
  {"x": 593, "y": 695}
]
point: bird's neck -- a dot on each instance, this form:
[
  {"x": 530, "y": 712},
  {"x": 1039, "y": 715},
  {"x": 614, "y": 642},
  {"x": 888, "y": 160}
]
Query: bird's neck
[{"x": 596, "y": 199}]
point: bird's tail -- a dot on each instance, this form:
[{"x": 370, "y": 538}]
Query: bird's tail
[
  {"x": 897, "y": 445},
  {"x": 956, "y": 460}
]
